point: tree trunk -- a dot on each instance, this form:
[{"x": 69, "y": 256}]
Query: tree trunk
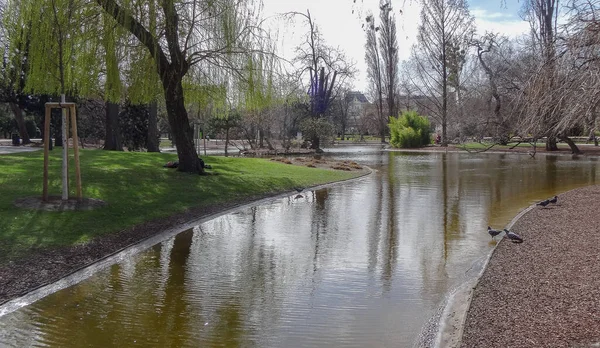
[
  {"x": 171, "y": 72},
  {"x": 315, "y": 143},
  {"x": 180, "y": 126},
  {"x": 551, "y": 143},
  {"x": 444, "y": 93},
  {"x": 57, "y": 131},
  {"x": 152, "y": 141},
  {"x": 226, "y": 141},
  {"x": 112, "y": 138},
  {"x": 20, "y": 123},
  {"x": 382, "y": 129},
  {"x": 574, "y": 149}
]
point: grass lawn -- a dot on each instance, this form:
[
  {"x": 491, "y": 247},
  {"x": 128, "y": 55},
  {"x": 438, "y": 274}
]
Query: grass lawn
[
  {"x": 165, "y": 143},
  {"x": 137, "y": 189}
]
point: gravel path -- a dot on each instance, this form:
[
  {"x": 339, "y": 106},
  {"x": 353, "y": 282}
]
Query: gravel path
[{"x": 544, "y": 292}]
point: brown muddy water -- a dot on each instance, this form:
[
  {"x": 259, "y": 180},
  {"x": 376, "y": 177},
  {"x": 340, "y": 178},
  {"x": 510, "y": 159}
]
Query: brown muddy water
[{"x": 359, "y": 264}]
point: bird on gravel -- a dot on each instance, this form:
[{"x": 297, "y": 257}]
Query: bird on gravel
[
  {"x": 554, "y": 200},
  {"x": 515, "y": 238},
  {"x": 544, "y": 203},
  {"x": 493, "y": 232}
]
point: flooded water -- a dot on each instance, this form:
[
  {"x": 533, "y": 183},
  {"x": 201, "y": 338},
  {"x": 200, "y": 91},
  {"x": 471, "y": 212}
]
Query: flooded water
[{"x": 359, "y": 264}]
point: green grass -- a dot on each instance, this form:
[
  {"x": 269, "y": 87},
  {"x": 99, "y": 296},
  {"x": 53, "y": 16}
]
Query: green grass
[
  {"x": 137, "y": 189},
  {"x": 165, "y": 143}
]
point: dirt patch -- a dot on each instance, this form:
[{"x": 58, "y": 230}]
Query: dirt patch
[
  {"x": 55, "y": 203},
  {"x": 317, "y": 162}
]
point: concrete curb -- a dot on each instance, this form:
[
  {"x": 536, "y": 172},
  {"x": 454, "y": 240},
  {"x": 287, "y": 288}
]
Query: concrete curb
[
  {"x": 454, "y": 314},
  {"x": 88, "y": 270}
]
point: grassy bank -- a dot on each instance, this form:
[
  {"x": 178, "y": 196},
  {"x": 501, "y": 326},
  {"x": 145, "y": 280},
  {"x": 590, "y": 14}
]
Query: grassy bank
[{"x": 137, "y": 189}]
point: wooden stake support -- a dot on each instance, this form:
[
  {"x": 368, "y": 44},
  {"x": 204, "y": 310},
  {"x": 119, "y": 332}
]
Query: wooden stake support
[{"x": 73, "y": 122}]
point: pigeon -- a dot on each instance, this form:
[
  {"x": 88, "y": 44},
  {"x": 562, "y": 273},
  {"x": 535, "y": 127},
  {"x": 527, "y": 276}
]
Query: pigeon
[
  {"x": 493, "y": 232},
  {"x": 554, "y": 200},
  {"x": 515, "y": 238},
  {"x": 544, "y": 203},
  {"x": 299, "y": 189}
]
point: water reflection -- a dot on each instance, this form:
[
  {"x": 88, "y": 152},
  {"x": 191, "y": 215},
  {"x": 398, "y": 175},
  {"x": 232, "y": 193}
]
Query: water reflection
[{"x": 360, "y": 264}]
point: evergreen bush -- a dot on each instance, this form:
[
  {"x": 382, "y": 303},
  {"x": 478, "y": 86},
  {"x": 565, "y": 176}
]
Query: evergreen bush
[{"x": 409, "y": 130}]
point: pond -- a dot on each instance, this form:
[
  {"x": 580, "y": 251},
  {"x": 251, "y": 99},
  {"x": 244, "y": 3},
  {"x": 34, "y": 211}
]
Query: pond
[{"x": 361, "y": 263}]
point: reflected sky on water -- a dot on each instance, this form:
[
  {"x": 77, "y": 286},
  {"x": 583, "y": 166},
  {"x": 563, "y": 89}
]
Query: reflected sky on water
[{"x": 363, "y": 263}]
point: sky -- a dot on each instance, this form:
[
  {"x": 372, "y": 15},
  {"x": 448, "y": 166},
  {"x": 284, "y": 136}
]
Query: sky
[{"x": 340, "y": 24}]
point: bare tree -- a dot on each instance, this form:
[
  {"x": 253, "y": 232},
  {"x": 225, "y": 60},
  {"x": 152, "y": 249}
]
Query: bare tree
[
  {"x": 487, "y": 45},
  {"x": 342, "y": 112},
  {"x": 388, "y": 45},
  {"x": 572, "y": 95},
  {"x": 327, "y": 67},
  {"x": 374, "y": 72},
  {"x": 444, "y": 23},
  {"x": 543, "y": 16}
]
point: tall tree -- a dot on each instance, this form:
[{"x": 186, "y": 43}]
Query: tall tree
[
  {"x": 443, "y": 23},
  {"x": 112, "y": 92},
  {"x": 342, "y": 110},
  {"x": 192, "y": 32},
  {"x": 374, "y": 72},
  {"x": 388, "y": 44},
  {"x": 543, "y": 19},
  {"x": 488, "y": 45},
  {"x": 327, "y": 68},
  {"x": 14, "y": 68}
]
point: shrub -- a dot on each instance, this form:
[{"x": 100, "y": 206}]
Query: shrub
[
  {"x": 317, "y": 130},
  {"x": 409, "y": 130}
]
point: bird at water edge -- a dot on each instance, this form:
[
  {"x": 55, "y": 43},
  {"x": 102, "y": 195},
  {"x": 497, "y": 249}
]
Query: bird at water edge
[
  {"x": 544, "y": 203},
  {"x": 493, "y": 232},
  {"x": 554, "y": 200},
  {"x": 515, "y": 238}
]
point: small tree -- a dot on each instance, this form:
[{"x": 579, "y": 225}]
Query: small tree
[
  {"x": 409, "y": 130},
  {"x": 317, "y": 128},
  {"x": 444, "y": 25}
]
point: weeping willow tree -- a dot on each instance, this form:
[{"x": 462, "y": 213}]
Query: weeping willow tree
[
  {"x": 207, "y": 99},
  {"x": 142, "y": 86},
  {"x": 62, "y": 54},
  {"x": 113, "y": 85},
  {"x": 258, "y": 93},
  {"x": 59, "y": 54},
  {"x": 191, "y": 32},
  {"x": 14, "y": 67}
]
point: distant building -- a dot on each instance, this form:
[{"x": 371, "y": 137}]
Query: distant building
[{"x": 357, "y": 105}]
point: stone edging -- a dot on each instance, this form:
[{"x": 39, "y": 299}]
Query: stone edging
[
  {"x": 88, "y": 270},
  {"x": 454, "y": 315}
]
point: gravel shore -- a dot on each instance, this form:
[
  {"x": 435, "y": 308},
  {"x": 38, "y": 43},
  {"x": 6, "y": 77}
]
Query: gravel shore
[{"x": 544, "y": 292}]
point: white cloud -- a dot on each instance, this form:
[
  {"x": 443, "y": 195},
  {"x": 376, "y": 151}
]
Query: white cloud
[
  {"x": 503, "y": 23},
  {"x": 485, "y": 14}
]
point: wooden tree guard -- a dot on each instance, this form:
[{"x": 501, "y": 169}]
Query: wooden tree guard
[{"x": 71, "y": 108}]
